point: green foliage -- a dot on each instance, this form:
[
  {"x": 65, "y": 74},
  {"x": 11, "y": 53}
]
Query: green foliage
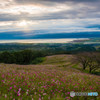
[
  {"x": 7, "y": 57},
  {"x": 38, "y": 60},
  {"x": 51, "y": 48},
  {"x": 20, "y": 57}
]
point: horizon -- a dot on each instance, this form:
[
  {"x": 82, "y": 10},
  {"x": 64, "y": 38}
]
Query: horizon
[{"x": 42, "y": 40}]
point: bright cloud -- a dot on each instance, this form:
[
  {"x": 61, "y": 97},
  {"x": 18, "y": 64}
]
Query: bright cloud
[{"x": 53, "y": 15}]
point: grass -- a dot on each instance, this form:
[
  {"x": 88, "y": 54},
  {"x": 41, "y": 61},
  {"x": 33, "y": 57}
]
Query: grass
[
  {"x": 45, "y": 82},
  {"x": 38, "y": 60},
  {"x": 56, "y": 60}
]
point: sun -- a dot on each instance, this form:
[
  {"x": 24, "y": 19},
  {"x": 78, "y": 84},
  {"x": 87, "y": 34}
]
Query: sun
[
  {"x": 25, "y": 24},
  {"x": 22, "y": 23}
]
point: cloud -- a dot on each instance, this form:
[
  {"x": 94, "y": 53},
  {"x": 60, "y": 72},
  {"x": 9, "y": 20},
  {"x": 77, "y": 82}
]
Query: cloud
[
  {"x": 52, "y": 1},
  {"x": 60, "y": 11},
  {"x": 61, "y": 15}
]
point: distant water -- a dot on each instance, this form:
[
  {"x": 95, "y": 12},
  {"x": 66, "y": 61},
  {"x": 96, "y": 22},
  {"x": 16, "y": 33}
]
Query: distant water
[{"x": 42, "y": 40}]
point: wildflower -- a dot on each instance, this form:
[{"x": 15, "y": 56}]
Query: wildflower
[
  {"x": 91, "y": 88},
  {"x": 19, "y": 89},
  {"x": 18, "y": 94},
  {"x": 44, "y": 93},
  {"x": 68, "y": 92},
  {"x": 14, "y": 90},
  {"x": 5, "y": 95},
  {"x": 10, "y": 88},
  {"x": 27, "y": 92},
  {"x": 3, "y": 76},
  {"x": 35, "y": 93},
  {"x": 44, "y": 86},
  {"x": 39, "y": 98},
  {"x": 67, "y": 97},
  {"x": 49, "y": 98},
  {"x": 56, "y": 90},
  {"x": 40, "y": 95},
  {"x": 33, "y": 88},
  {"x": 53, "y": 93},
  {"x": 14, "y": 86}
]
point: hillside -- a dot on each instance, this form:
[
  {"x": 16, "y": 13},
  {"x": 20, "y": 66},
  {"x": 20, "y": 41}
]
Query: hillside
[{"x": 52, "y": 79}]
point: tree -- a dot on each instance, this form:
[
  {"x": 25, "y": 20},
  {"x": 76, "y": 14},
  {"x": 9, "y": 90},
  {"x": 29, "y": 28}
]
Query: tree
[
  {"x": 94, "y": 62},
  {"x": 23, "y": 57},
  {"x": 7, "y": 57},
  {"x": 18, "y": 57},
  {"x": 27, "y": 56},
  {"x": 89, "y": 59},
  {"x": 83, "y": 59}
]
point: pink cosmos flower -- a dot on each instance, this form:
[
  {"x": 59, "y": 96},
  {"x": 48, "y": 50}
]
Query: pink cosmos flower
[
  {"x": 10, "y": 88},
  {"x": 39, "y": 98}
]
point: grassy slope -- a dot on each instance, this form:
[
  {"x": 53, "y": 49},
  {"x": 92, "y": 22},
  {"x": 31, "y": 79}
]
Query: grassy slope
[{"x": 51, "y": 80}]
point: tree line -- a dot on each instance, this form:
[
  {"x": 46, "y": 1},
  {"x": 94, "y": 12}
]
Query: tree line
[{"x": 20, "y": 57}]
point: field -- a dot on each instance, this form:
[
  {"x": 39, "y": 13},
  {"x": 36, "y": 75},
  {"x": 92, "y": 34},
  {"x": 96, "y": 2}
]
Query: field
[{"x": 53, "y": 79}]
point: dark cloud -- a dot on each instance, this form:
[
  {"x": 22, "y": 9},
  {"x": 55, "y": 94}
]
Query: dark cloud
[
  {"x": 78, "y": 10},
  {"x": 9, "y": 17},
  {"x": 53, "y": 2},
  {"x": 58, "y": 1},
  {"x": 80, "y": 13}
]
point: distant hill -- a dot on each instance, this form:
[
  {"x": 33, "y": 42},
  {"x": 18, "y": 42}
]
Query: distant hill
[{"x": 44, "y": 35}]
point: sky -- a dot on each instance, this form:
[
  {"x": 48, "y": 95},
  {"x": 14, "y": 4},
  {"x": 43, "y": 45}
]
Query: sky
[{"x": 49, "y": 16}]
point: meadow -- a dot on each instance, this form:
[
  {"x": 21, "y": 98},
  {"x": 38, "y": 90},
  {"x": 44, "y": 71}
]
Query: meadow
[{"x": 53, "y": 79}]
